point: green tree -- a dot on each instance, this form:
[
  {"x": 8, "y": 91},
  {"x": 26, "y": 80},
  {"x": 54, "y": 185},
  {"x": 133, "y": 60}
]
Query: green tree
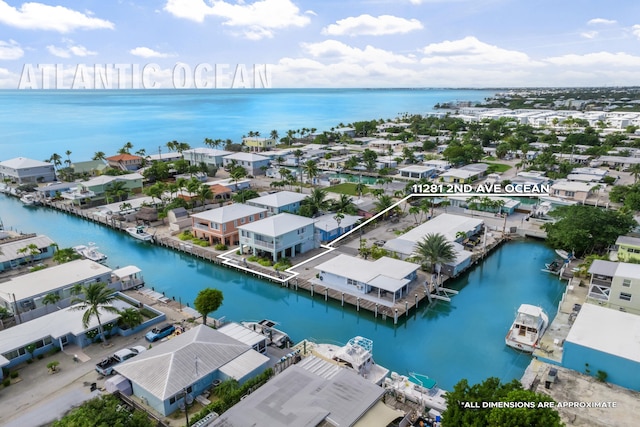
[
  {"x": 314, "y": 203},
  {"x": 116, "y": 190},
  {"x": 384, "y": 202},
  {"x": 131, "y": 317},
  {"x": 586, "y": 229},
  {"x": 103, "y": 411},
  {"x": 51, "y": 298},
  {"x": 97, "y": 297},
  {"x": 204, "y": 193},
  {"x": 310, "y": 167},
  {"x": 344, "y": 205},
  {"x": 434, "y": 250},
  {"x": 208, "y": 301},
  {"x": 65, "y": 255},
  {"x": 98, "y": 155},
  {"x": 492, "y": 390}
]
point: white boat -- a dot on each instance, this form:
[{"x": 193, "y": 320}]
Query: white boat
[
  {"x": 527, "y": 328},
  {"x": 274, "y": 336},
  {"x": 140, "y": 233},
  {"x": 28, "y": 199},
  {"x": 419, "y": 389},
  {"x": 356, "y": 355},
  {"x": 90, "y": 252}
]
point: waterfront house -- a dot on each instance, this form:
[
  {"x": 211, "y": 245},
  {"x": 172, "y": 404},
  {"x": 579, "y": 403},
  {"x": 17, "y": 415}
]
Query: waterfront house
[
  {"x": 99, "y": 185},
  {"x": 209, "y": 156},
  {"x": 572, "y": 190},
  {"x": 628, "y": 248},
  {"x": 23, "y": 295},
  {"x": 22, "y": 170},
  {"x": 276, "y": 203},
  {"x": 282, "y": 235},
  {"x": 615, "y": 285},
  {"x": 439, "y": 165},
  {"x": 54, "y": 189},
  {"x": 125, "y": 162},
  {"x": 253, "y": 339},
  {"x": 314, "y": 392},
  {"x": 328, "y": 228},
  {"x": 417, "y": 172},
  {"x": 605, "y": 342},
  {"x": 254, "y": 164},
  {"x": 165, "y": 158},
  {"x": 189, "y": 362},
  {"x": 384, "y": 277},
  {"x": 16, "y": 249},
  {"x": 258, "y": 144},
  {"x": 63, "y": 328},
  {"x": 455, "y": 228},
  {"x": 220, "y": 225}
]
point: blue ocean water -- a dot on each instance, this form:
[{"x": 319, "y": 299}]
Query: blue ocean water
[
  {"x": 446, "y": 341},
  {"x": 39, "y": 123}
]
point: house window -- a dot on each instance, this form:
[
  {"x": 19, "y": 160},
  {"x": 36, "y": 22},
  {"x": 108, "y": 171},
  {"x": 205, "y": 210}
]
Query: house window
[
  {"x": 235, "y": 222},
  {"x": 251, "y": 218},
  {"x": 242, "y": 220},
  {"x": 570, "y": 193},
  {"x": 626, "y": 283},
  {"x": 261, "y": 215},
  {"x": 301, "y": 230},
  {"x": 625, "y": 296},
  {"x": 215, "y": 226},
  {"x": 224, "y": 227}
]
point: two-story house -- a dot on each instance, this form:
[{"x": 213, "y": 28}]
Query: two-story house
[
  {"x": 209, "y": 156},
  {"x": 220, "y": 225},
  {"x": 572, "y": 190},
  {"x": 628, "y": 248},
  {"x": 257, "y": 144},
  {"x": 282, "y": 201},
  {"x": 282, "y": 235},
  {"x": 125, "y": 162},
  {"x": 615, "y": 285},
  {"x": 254, "y": 164},
  {"x": 23, "y": 170}
]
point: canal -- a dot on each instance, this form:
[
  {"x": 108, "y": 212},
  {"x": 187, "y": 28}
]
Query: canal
[{"x": 446, "y": 341}]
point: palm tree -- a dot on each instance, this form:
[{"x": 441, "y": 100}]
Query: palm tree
[
  {"x": 237, "y": 173},
  {"x": 31, "y": 249},
  {"x": 434, "y": 250},
  {"x": 274, "y": 135},
  {"x": 316, "y": 201},
  {"x": 56, "y": 159},
  {"x": 126, "y": 148},
  {"x": 204, "y": 193},
  {"x": 384, "y": 202},
  {"x": 360, "y": 188},
  {"x": 68, "y": 161},
  {"x": 415, "y": 210},
  {"x": 99, "y": 155},
  {"x": 97, "y": 298},
  {"x": 51, "y": 298},
  {"x": 344, "y": 205},
  {"x": 131, "y": 317},
  {"x": 635, "y": 172},
  {"x": 310, "y": 167},
  {"x": 116, "y": 189}
]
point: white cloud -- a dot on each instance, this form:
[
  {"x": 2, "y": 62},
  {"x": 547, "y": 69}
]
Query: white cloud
[
  {"x": 372, "y": 26},
  {"x": 636, "y": 30},
  {"x": 38, "y": 16},
  {"x": 256, "y": 21},
  {"x": 601, "y": 21},
  {"x": 10, "y": 50},
  {"x": 333, "y": 50},
  {"x": 146, "y": 52},
  {"x": 70, "y": 50},
  {"x": 602, "y": 60},
  {"x": 470, "y": 50},
  {"x": 589, "y": 34}
]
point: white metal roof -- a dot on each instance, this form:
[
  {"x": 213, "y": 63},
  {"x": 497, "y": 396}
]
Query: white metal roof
[
  {"x": 572, "y": 186},
  {"x": 52, "y": 278},
  {"x": 608, "y": 331},
  {"x": 228, "y": 213},
  {"x": 446, "y": 224},
  {"x": 460, "y": 173},
  {"x": 9, "y": 250},
  {"x": 277, "y": 225},
  {"x": 22, "y": 163},
  {"x": 129, "y": 270},
  {"x": 242, "y": 334},
  {"x": 166, "y": 369},
  {"x": 244, "y": 364},
  {"x": 246, "y": 157},
  {"x": 279, "y": 199},
  {"x": 328, "y": 222}
]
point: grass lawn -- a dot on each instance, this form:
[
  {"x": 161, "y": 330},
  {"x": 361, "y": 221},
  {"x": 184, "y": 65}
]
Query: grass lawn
[
  {"x": 498, "y": 167},
  {"x": 346, "y": 188}
]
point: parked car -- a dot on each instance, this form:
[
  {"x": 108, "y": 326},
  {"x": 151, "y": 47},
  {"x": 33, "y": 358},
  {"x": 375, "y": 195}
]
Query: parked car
[
  {"x": 106, "y": 366},
  {"x": 160, "y": 332}
]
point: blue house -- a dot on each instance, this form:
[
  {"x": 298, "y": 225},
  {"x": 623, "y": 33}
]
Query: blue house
[
  {"x": 188, "y": 365},
  {"x": 603, "y": 339},
  {"x": 276, "y": 203},
  {"x": 328, "y": 227}
]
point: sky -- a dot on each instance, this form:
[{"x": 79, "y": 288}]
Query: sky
[{"x": 60, "y": 44}]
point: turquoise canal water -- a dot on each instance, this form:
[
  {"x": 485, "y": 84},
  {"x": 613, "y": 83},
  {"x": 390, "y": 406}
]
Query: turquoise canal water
[
  {"x": 446, "y": 341},
  {"x": 368, "y": 180}
]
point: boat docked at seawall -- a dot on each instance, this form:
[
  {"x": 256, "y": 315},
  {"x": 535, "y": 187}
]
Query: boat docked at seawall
[
  {"x": 140, "y": 233},
  {"x": 29, "y": 199},
  {"x": 356, "y": 355},
  {"x": 419, "y": 389},
  {"x": 275, "y": 337},
  {"x": 527, "y": 329},
  {"x": 90, "y": 252}
]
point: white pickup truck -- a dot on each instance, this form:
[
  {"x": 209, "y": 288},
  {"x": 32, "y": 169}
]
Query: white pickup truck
[{"x": 106, "y": 366}]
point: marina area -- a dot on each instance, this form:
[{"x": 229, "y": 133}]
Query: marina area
[{"x": 433, "y": 340}]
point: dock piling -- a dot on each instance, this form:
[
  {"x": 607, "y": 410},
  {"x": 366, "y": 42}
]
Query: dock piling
[{"x": 395, "y": 317}]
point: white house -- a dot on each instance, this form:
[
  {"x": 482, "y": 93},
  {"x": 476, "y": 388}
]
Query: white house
[
  {"x": 329, "y": 228},
  {"x": 15, "y": 250},
  {"x": 23, "y": 170},
  {"x": 282, "y": 235},
  {"x": 209, "y": 156},
  {"x": 379, "y": 278},
  {"x": 455, "y": 228},
  {"x": 254, "y": 164},
  {"x": 417, "y": 172},
  {"x": 22, "y": 295},
  {"x": 275, "y": 203},
  {"x": 189, "y": 363}
]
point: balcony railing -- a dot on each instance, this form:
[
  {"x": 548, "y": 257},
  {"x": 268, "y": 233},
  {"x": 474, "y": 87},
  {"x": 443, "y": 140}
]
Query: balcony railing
[
  {"x": 599, "y": 292},
  {"x": 263, "y": 244}
]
